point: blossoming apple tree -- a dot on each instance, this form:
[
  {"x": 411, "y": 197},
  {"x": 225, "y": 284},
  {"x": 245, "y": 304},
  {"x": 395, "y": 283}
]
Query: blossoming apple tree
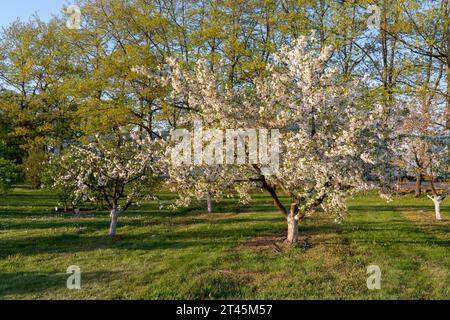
[
  {"x": 333, "y": 143},
  {"x": 119, "y": 170}
]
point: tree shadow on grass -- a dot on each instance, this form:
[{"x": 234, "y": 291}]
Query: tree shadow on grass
[
  {"x": 424, "y": 207},
  {"x": 393, "y": 207},
  {"x": 204, "y": 233},
  {"x": 39, "y": 225},
  {"x": 97, "y": 222},
  {"x": 436, "y": 228},
  {"x": 23, "y": 283},
  {"x": 216, "y": 285},
  {"x": 72, "y": 243},
  {"x": 392, "y": 232},
  {"x": 147, "y": 211},
  {"x": 371, "y": 208}
]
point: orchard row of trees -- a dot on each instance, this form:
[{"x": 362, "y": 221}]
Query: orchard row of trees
[{"x": 357, "y": 104}]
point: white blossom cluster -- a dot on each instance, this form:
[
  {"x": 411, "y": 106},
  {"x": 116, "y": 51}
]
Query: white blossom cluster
[
  {"x": 112, "y": 170},
  {"x": 332, "y": 143}
]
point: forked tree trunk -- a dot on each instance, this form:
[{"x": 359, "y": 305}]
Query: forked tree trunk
[
  {"x": 114, "y": 216},
  {"x": 292, "y": 221},
  {"x": 437, "y": 206},
  {"x": 209, "y": 202}
]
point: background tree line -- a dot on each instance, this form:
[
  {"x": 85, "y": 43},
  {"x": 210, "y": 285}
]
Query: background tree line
[{"x": 59, "y": 85}]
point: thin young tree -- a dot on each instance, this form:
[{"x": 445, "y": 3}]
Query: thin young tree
[{"x": 119, "y": 170}]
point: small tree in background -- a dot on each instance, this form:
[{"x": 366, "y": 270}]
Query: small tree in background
[
  {"x": 121, "y": 170},
  {"x": 438, "y": 168},
  {"x": 65, "y": 192},
  {"x": 425, "y": 149},
  {"x": 33, "y": 165},
  {"x": 204, "y": 183},
  {"x": 9, "y": 172}
]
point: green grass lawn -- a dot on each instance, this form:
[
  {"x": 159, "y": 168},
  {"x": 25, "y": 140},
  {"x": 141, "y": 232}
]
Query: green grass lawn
[{"x": 233, "y": 254}]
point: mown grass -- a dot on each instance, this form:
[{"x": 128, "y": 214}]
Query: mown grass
[{"x": 233, "y": 254}]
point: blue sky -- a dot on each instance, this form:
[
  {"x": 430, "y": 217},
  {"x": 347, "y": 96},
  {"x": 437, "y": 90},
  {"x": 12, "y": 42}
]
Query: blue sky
[{"x": 23, "y": 9}]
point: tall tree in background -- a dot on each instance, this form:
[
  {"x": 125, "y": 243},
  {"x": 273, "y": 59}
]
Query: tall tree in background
[
  {"x": 427, "y": 34},
  {"x": 35, "y": 73}
]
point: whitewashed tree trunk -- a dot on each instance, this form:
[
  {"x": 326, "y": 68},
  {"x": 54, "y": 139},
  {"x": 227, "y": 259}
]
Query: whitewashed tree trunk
[
  {"x": 437, "y": 206},
  {"x": 114, "y": 216},
  {"x": 292, "y": 234},
  {"x": 209, "y": 201}
]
